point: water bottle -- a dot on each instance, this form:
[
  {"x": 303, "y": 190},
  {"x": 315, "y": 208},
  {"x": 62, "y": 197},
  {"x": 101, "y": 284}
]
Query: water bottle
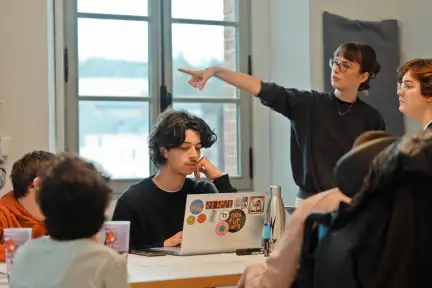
[{"x": 274, "y": 218}]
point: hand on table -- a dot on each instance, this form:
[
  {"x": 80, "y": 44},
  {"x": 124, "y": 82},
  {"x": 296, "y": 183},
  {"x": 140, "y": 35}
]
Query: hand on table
[
  {"x": 251, "y": 277},
  {"x": 174, "y": 240}
]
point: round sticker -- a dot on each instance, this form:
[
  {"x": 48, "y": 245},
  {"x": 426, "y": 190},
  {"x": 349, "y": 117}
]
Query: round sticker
[
  {"x": 196, "y": 207},
  {"x": 223, "y": 215},
  {"x": 222, "y": 228},
  {"x": 236, "y": 220},
  {"x": 201, "y": 218},
  {"x": 190, "y": 220}
]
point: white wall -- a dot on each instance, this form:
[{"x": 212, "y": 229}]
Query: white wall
[
  {"x": 26, "y": 76},
  {"x": 280, "y": 54},
  {"x": 414, "y": 29}
]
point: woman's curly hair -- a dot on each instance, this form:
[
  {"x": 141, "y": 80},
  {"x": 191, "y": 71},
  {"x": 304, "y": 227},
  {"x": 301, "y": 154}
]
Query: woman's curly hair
[{"x": 169, "y": 132}]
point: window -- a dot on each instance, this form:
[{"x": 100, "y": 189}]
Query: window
[{"x": 122, "y": 60}]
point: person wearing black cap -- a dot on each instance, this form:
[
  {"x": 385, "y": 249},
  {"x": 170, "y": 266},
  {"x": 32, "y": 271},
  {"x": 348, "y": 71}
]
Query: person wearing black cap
[
  {"x": 415, "y": 91},
  {"x": 323, "y": 125}
]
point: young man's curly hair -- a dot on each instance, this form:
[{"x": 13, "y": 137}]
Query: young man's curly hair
[{"x": 169, "y": 132}]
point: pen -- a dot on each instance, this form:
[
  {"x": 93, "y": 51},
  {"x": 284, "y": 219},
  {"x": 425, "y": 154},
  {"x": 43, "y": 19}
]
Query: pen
[{"x": 249, "y": 251}]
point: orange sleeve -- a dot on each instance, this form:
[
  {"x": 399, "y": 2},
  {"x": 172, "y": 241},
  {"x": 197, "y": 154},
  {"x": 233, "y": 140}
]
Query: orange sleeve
[{"x": 3, "y": 224}]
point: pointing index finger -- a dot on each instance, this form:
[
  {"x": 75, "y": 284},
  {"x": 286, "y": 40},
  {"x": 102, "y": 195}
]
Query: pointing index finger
[{"x": 186, "y": 71}]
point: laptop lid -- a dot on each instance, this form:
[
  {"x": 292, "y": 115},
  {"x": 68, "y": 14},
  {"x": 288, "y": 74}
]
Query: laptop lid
[{"x": 222, "y": 222}]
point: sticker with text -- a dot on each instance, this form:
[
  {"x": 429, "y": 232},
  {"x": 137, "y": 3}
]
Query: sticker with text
[
  {"x": 241, "y": 203},
  {"x": 190, "y": 220},
  {"x": 222, "y": 228},
  {"x": 201, "y": 218},
  {"x": 256, "y": 204},
  {"x": 223, "y": 215},
  {"x": 220, "y": 204},
  {"x": 236, "y": 220},
  {"x": 196, "y": 207}
]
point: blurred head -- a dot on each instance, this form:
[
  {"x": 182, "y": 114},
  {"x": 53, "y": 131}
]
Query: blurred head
[
  {"x": 353, "y": 66},
  {"x": 73, "y": 197},
  {"x": 369, "y": 136},
  {"x": 25, "y": 172},
  {"x": 177, "y": 139},
  {"x": 25, "y": 177},
  {"x": 415, "y": 87}
]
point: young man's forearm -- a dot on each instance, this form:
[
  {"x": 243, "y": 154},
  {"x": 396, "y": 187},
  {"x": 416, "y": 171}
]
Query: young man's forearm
[{"x": 245, "y": 82}]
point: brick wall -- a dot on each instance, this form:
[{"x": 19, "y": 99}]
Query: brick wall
[{"x": 230, "y": 136}]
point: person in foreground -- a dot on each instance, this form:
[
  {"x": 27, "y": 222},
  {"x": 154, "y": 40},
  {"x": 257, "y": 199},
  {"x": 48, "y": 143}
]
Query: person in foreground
[
  {"x": 18, "y": 208},
  {"x": 156, "y": 205},
  {"x": 73, "y": 197},
  {"x": 323, "y": 125},
  {"x": 415, "y": 91},
  {"x": 281, "y": 268}
]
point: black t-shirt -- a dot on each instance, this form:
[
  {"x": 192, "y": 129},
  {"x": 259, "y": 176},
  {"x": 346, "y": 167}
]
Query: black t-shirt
[
  {"x": 157, "y": 215},
  {"x": 319, "y": 134}
]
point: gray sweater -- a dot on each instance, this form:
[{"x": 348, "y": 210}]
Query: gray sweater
[{"x": 46, "y": 263}]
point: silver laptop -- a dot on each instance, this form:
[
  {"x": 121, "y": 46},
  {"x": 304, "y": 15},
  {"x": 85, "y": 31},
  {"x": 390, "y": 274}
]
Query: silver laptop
[{"x": 221, "y": 223}]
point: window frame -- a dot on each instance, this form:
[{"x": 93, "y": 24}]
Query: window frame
[{"x": 160, "y": 61}]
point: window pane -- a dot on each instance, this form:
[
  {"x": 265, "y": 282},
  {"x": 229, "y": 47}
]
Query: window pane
[
  {"x": 114, "y": 134},
  {"x": 222, "y": 118},
  {"x": 216, "y": 47},
  {"x": 217, "y": 10},
  {"x": 113, "y": 58},
  {"x": 119, "y": 7}
]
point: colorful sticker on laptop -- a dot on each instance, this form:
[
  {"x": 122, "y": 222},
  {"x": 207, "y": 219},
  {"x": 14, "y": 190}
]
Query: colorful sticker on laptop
[
  {"x": 223, "y": 215},
  {"x": 201, "y": 218},
  {"x": 222, "y": 228},
  {"x": 213, "y": 215},
  {"x": 190, "y": 220},
  {"x": 256, "y": 204},
  {"x": 222, "y": 204},
  {"x": 196, "y": 207},
  {"x": 241, "y": 203},
  {"x": 236, "y": 220}
]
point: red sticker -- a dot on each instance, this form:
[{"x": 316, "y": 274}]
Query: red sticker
[
  {"x": 256, "y": 204},
  {"x": 222, "y": 228},
  {"x": 201, "y": 218}
]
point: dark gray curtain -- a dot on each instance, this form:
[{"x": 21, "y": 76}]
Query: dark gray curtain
[{"x": 383, "y": 37}]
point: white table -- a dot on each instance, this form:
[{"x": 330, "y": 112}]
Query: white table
[
  {"x": 3, "y": 276},
  {"x": 188, "y": 271},
  {"x": 201, "y": 271}
]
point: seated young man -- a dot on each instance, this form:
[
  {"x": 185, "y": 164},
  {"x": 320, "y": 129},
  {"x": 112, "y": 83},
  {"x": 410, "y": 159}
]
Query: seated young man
[
  {"x": 156, "y": 205},
  {"x": 73, "y": 197},
  {"x": 18, "y": 208}
]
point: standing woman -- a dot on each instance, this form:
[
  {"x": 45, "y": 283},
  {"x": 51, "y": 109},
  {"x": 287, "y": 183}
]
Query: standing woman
[
  {"x": 415, "y": 91},
  {"x": 324, "y": 125}
]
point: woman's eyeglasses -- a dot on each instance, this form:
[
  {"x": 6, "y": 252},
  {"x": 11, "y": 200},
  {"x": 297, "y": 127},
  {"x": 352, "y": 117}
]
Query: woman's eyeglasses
[{"x": 343, "y": 65}]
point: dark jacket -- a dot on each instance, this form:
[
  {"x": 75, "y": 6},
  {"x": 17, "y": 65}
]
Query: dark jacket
[{"x": 383, "y": 238}]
